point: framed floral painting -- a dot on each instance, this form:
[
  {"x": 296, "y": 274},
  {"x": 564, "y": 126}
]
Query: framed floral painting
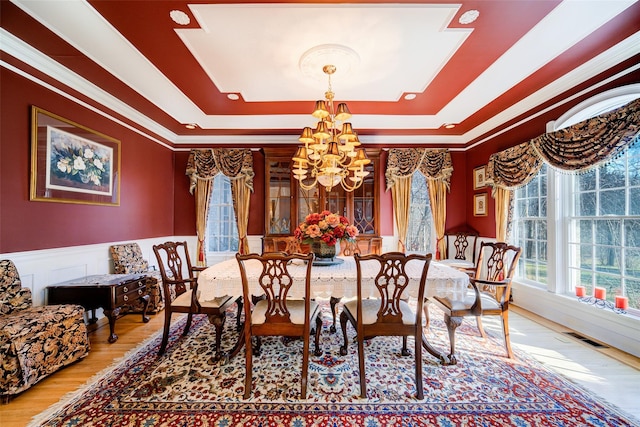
[{"x": 71, "y": 163}]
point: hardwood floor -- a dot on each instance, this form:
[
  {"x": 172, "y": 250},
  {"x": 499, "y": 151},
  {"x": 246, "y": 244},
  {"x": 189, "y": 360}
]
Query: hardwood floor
[{"x": 612, "y": 374}]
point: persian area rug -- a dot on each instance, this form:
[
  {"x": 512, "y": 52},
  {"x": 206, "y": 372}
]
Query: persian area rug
[{"x": 185, "y": 387}]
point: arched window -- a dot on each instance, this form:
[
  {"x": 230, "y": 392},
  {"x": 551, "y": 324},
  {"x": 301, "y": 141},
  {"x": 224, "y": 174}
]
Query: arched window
[{"x": 593, "y": 216}]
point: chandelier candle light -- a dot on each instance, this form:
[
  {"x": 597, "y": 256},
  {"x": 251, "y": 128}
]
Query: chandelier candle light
[{"x": 330, "y": 150}]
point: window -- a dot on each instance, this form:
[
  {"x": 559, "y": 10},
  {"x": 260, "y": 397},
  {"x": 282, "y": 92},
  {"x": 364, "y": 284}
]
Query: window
[
  {"x": 604, "y": 228},
  {"x": 420, "y": 231},
  {"x": 599, "y": 214},
  {"x": 222, "y": 230},
  {"x": 530, "y": 228}
]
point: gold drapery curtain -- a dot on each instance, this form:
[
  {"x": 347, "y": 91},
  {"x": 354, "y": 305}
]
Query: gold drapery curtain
[
  {"x": 437, "y": 168},
  {"x": 202, "y": 167},
  {"x": 577, "y": 148}
]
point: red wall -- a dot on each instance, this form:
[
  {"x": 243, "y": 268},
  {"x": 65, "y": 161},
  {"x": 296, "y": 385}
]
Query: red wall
[
  {"x": 155, "y": 199},
  {"x": 147, "y": 180}
]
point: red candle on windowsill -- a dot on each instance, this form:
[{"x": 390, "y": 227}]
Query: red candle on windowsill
[
  {"x": 622, "y": 302},
  {"x": 600, "y": 293},
  {"x": 580, "y": 291}
]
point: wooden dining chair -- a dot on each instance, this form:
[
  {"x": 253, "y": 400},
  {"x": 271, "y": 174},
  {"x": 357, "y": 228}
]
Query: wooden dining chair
[
  {"x": 461, "y": 249},
  {"x": 288, "y": 244},
  {"x": 287, "y": 309},
  {"x": 389, "y": 314},
  {"x": 488, "y": 295},
  {"x": 182, "y": 295},
  {"x": 348, "y": 248}
]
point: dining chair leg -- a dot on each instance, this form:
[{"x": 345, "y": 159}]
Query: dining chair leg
[
  {"x": 425, "y": 310},
  {"x": 344, "y": 318},
  {"x": 305, "y": 368},
  {"x": 483, "y": 333},
  {"x": 248, "y": 366},
  {"x": 505, "y": 332},
  {"x": 405, "y": 350},
  {"x": 240, "y": 304},
  {"x": 363, "y": 382},
  {"x": 165, "y": 333},
  {"x": 452, "y": 324},
  {"x": 187, "y": 326},
  {"x": 317, "y": 351},
  {"x": 418, "y": 363}
]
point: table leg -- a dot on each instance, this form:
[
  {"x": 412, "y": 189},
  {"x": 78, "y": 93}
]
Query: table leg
[
  {"x": 145, "y": 301},
  {"x": 112, "y": 315},
  {"x": 93, "y": 319}
]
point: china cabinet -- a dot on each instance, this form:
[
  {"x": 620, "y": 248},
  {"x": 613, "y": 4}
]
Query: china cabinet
[{"x": 287, "y": 203}]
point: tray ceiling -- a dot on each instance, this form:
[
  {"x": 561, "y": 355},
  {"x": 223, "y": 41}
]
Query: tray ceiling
[{"x": 246, "y": 72}]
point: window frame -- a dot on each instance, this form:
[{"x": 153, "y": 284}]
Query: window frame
[{"x": 221, "y": 178}]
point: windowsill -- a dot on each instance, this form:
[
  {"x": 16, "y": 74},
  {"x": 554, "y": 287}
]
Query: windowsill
[{"x": 618, "y": 330}]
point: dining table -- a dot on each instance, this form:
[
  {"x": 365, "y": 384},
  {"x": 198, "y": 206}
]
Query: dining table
[{"x": 336, "y": 279}]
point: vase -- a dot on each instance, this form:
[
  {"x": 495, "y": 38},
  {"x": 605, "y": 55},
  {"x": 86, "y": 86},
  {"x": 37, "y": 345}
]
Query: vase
[{"x": 322, "y": 250}]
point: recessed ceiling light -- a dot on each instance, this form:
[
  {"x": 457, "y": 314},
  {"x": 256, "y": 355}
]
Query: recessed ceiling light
[
  {"x": 179, "y": 17},
  {"x": 410, "y": 96},
  {"x": 468, "y": 17},
  {"x": 233, "y": 96},
  {"x": 449, "y": 125},
  {"x": 191, "y": 125}
]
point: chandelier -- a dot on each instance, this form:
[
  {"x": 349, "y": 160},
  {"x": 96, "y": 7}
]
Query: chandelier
[{"x": 330, "y": 151}]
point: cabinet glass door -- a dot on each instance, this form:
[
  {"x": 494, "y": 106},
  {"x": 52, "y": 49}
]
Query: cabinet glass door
[
  {"x": 279, "y": 198},
  {"x": 364, "y": 204},
  {"x": 336, "y": 201},
  {"x": 308, "y": 202}
]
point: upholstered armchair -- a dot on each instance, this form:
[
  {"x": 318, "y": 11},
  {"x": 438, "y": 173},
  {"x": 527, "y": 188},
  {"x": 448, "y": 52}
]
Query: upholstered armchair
[
  {"x": 127, "y": 259},
  {"x": 34, "y": 341}
]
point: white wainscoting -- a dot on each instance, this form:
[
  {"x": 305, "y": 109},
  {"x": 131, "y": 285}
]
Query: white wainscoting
[
  {"x": 39, "y": 269},
  {"x": 621, "y": 331}
]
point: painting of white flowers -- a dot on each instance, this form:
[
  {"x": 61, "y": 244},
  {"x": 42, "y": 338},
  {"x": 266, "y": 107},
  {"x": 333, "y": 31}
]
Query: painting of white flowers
[
  {"x": 71, "y": 163},
  {"x": 77, "y": 164}
]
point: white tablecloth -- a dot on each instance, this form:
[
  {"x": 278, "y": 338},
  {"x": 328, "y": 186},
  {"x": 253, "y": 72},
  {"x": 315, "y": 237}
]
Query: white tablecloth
[{"x": 334, "y": 280}]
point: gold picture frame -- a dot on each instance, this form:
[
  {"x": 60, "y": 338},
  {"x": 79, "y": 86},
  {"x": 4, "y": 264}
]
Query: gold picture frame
[
  {"x": 479, "y": 177},
  {"x": 480, "y": 204},
  {"x": 71, "y": 163}
]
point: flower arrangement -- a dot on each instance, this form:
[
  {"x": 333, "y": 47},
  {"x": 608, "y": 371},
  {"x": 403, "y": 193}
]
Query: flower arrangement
[{"x": 325, "y": 226}]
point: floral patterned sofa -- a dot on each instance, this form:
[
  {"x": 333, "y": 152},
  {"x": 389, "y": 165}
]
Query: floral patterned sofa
[
  {"x": 127, "y": 259},
  {"x": 34, "y": 341}
]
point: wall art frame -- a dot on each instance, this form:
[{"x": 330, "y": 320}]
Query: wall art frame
[
  {"x": 479, "y": 177},
  {"x": 71, "y": 163},
  {"x": 480, "y": 204}
]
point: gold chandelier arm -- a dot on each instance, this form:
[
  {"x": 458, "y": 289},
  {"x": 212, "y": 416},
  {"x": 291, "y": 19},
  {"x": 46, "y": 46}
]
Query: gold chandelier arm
[
  {"x": 308, "y": 187},
  {"x": 349, "y": 188}
]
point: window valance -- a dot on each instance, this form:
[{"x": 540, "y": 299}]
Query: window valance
[
  {"x": 234, "y": 163},
  {"x": 433, "y": 164},
  {"x": 575, "y": 148}
]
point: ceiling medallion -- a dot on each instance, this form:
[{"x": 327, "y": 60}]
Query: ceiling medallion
[{"x": 313, "y": 60}]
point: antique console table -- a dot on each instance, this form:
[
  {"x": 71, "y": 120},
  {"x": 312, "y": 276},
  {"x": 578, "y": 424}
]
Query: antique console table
[{"x": 111, "y": 292}]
